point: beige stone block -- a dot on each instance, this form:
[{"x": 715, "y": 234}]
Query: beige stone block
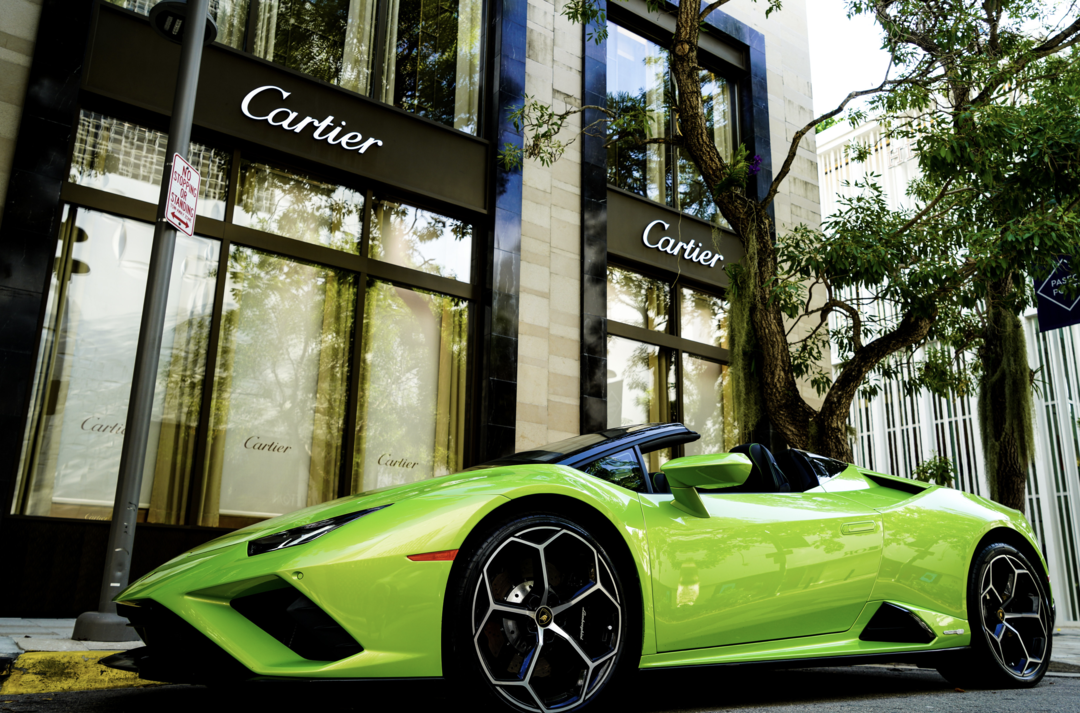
[
  {"x": 538, "y": 87},
  {"x": 534, "y": 310},
  {"x": 530, "y": 344},
  {"x": 539, "y": 45},
  {"x": 535, "y": 278},
  {"x": 13, "y": 79},
  {"x": 533, "y": 330},
  {"x": 532, "y": 385},
  {"x": 541, "y": 14},
  {"x": 528, "y": 435},
  {"x": 567, "y": 199},
  {"x": 563, "y": 415},
  {"x": 536, "y": 195},
  {"x": 536, "y": 213},
  {"x": 568, "y": 57},
  {"x": 566, "y": 236},
  {"x": 532, "y": 413},
  {"x": 568, "y": 38},
  {"x": 565, "y": 265},
  {"x": 20, "y": 45},
  {"x": 535, "y": 246},
  {"x": 20, "y": 18},
  {"x": 566, "y": 294},
  {"x": 563, "y": 347},
  {"x": 564, "y": 387},
  {"x": 10, "y": 116},
  {"x": 534, "y": 175},
  {"x": 18, "y": 58},
  {"x": 561, "y": 365}
]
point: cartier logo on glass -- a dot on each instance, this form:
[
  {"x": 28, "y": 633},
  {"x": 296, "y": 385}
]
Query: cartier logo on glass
[
  {"x": 327, "y": 129},
  {"x": 691, "y": 250}
]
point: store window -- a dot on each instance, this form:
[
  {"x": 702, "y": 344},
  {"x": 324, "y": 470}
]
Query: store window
[
  {"x": 273, "y": 351},
  {"x": 639, "y": 76},
  {"x": 423, "y": 56},
  {"x": 87, "y": 356},
  {"x": 666, "y": 353}
]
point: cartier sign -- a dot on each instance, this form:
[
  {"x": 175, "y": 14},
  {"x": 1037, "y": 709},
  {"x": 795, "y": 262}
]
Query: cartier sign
[
  {"x": 689, "y": 250},
  {"x": 326, "y": 129}
]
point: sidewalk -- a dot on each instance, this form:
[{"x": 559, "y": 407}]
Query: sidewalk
[{"x": 39, "y": 656}]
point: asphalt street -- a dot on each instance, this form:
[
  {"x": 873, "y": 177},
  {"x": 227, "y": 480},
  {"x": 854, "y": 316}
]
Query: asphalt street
[{"x": 861, "y": 688}]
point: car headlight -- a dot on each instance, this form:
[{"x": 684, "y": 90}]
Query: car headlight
[{"x": 305, "y": 533}]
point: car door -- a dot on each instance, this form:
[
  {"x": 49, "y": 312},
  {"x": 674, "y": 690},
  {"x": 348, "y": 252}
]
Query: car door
[{"x": 763, "y": 566}]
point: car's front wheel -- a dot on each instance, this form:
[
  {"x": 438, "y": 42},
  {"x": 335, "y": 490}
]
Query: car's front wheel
[
  {"x": 538, "y": 616},
  {"x": 1010, "y": 614}
]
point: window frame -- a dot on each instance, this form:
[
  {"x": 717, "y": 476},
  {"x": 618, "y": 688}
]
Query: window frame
[
  {"x": 736, "y": 77},
  {"x": 670, "y": 338}
]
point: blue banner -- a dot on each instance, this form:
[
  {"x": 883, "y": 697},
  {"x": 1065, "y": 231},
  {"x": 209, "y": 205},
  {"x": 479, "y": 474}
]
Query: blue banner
[{"x": 1057, "y": 308}]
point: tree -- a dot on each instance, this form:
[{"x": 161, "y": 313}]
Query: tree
[{"x": 969, "y": 82}]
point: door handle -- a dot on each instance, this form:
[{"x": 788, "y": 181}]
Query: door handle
[{"x": 855, "y": 528}]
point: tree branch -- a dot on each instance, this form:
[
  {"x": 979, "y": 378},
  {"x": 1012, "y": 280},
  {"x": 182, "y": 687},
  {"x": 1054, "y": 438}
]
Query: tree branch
[
  {"x": 712, "y": 6},
  {"x": 793, "y": 151}
]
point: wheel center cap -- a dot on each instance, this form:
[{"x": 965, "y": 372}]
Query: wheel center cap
[{"x": 544, "y": 617}]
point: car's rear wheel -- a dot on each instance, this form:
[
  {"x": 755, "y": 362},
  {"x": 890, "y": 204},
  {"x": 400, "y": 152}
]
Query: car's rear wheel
[
  {"x": 1010, "y": 614},
  {"x": 538, "y": 616}
]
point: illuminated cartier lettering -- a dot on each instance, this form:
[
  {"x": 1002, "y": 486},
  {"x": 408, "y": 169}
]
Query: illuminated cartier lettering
[
  {"x": 688, "y": 251},
  {"x": 289, "y": 120}
]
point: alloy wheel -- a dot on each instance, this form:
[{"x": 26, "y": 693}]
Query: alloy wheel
[
  {"x": 1013, "y": 615},
  {"x": 546, "y": 619}
]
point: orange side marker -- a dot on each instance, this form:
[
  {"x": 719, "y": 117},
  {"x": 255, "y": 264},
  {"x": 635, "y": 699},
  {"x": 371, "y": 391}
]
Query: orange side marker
[{"x": 443, "y": 556}]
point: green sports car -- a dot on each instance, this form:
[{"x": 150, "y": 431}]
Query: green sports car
[{"x": 544, "y": 578}]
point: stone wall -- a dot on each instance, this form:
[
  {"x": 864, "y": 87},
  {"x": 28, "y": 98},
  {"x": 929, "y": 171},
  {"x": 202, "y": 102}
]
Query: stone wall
[
  {"x": 17, "y": 33},
  {"x": 550, "y": 308}
]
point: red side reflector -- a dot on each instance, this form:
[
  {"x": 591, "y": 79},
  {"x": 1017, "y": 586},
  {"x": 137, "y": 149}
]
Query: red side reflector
[{"x": 444, "y": 556}]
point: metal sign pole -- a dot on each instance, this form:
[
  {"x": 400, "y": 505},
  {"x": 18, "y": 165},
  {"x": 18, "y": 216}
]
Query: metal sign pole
[{"x": 104, "y": 624}]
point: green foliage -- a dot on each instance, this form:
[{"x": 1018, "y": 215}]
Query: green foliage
[{"x": 937, "y": 469}]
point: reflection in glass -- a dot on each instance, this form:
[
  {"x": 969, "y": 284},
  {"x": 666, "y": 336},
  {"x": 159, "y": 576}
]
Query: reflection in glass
[
  {"x": 230, "y": 16},
  {"x": 641, "y": 383},
  {"x": 638, "y": 76},
  {"x": 71, "y": 455},
  {"x": 707, "y": 405},
  {"x": 620, "y": 469},
  {"x": 703, "y": 318},
  {"x": 637, "y": 300},
  {"x": 411, "y": 416},
  {"x": 430, "y": 62},
  {"x": 433, "y": 60},
  {"x": 421, "y": 240},
  {"x": 280, "y": 389},
  {"x": 128, "y": 159},
  {"x": 298, "y": 207},
  {"x": 693, "y": 195}
]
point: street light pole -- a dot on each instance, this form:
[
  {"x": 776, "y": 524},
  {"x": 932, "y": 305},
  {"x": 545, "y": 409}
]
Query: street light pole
[{"x": 105, "y": 624}]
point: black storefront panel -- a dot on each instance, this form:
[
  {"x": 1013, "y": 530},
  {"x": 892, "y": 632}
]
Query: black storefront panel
[{"x": 128, "y": 62}]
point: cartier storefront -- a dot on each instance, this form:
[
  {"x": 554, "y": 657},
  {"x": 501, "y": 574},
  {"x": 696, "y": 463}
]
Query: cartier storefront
[
  {"x": 346, "y": 316},
  {"x": 329, "y": 324}
]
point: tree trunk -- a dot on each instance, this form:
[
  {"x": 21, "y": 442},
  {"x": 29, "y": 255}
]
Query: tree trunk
[{"x": 1005, "y": 417}]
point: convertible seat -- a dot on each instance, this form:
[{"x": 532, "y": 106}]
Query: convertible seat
[
  {"x": 800, "y": 473},
  {"x": 765, "y": 476}
]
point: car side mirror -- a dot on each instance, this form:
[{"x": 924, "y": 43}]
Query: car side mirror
[{"x": 717, "y": 471}]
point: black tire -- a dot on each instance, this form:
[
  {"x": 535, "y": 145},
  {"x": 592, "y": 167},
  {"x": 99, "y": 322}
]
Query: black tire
[
  {"x": 1010, "y": 615},
  {"x": 553, "y": 644}
]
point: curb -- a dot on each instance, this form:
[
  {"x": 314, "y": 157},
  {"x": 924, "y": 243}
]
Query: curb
[{"x": 61, "y": 671}]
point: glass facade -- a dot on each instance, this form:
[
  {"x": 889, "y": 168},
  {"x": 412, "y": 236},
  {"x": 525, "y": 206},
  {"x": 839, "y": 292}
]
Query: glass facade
[
  {"x": 666, "y": 348},
  {"x": 423, "y": 56},
  {"x": 289, "y": 374},
  {"x": 639, "y": 77}
]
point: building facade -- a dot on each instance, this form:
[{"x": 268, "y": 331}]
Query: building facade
[
  {"x": 895, "y": 432},
  {"x": 371, "y": 297}
]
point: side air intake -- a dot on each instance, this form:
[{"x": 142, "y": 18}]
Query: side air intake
[
  {"x": 298, "y": 623},
  {"x": 898, "y": 625}
]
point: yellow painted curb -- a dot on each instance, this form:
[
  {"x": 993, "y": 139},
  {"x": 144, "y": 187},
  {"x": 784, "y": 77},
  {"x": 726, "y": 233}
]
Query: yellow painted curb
[{"x": 56, "y": 671}]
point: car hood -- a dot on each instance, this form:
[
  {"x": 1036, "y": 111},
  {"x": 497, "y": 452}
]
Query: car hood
[{"x": 361, "y": 501}]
